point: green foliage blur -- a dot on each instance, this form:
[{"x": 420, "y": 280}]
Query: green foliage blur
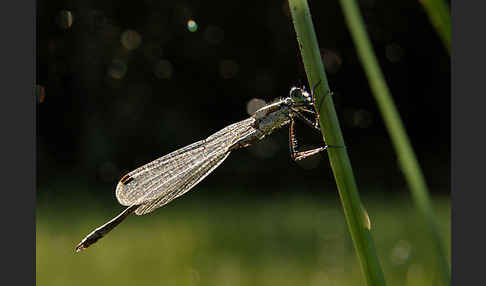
[{"x": 236, "y": 239}]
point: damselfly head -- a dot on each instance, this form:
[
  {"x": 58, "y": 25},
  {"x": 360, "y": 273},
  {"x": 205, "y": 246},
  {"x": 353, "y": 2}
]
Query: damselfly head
[{"x": 299, "y": 95}]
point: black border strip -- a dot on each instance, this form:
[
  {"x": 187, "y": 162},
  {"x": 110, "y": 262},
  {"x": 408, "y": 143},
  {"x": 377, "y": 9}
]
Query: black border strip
[{"x": 18, "y": 137}]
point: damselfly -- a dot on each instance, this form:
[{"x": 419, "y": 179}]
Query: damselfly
[{"x": 157, "y": 183}]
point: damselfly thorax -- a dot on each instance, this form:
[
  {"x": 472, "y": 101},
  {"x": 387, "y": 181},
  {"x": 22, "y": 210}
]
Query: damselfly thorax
[{"x": 159, "y": 182}]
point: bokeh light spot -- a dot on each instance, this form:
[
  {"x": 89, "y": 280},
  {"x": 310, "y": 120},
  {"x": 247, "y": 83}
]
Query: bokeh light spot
[
  {"x": 163, "y": 69},
  {"x": 401, "y": 252},
  {"x": 65, "y": 19},
  {"x": 265, "y": 149},
  {"x": 254, "y": 104},
  {"x": 332, "y": 61},
  {"x": 228, "y": 69},
  {"x": 192, "y": 25},
  {"x": 131, "y": 39},
  {"x": 40, "y": 93},
  {"x": 117, "y": 69}
]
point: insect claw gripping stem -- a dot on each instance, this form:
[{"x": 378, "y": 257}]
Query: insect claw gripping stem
[
  {"x": 159, "y": 182},
  {"x": 302, "y": 155},
  {"x": 334, "y": 146},
  {"x": 318, "y": 106},
  {"x": 294, "y": 154},
  {"x": 314, "y": 99},
  {"x": 316, "y": 124},
  {"x": 314, "y": 88}
]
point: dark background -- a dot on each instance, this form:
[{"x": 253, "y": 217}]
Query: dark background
[
  {"x": 123, "y": 83},
  {"x": 127, "y": 82}
]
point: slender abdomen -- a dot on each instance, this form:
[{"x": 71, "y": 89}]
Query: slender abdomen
[{"x": 266, "y": 121}]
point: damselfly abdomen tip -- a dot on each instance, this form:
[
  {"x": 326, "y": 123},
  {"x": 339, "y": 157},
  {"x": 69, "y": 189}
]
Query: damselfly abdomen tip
[{"x": 159, "y": 182}]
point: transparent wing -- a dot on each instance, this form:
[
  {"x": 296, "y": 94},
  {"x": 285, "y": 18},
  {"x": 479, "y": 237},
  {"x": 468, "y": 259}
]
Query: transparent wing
[
  {"x": 159, "y": 182},
  {"x": 184, "y": 185}
]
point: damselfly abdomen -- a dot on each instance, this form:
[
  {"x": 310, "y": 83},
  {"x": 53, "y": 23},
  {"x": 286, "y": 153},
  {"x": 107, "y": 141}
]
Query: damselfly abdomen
[{"x": 157, "y": 183}]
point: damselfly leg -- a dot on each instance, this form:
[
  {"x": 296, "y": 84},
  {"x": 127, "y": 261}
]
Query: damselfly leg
[
  {"x": 316, "y": 118},
  {"x": 293, "y": 145},
  {"x": 314, "y": 102},
  {"x": 159, "y": 182},
  {"x": 306, "y": 120}
]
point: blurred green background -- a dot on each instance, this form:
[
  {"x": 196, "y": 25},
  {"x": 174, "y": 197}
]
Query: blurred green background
[
  {"x": 127, "y": 82},
  {"x": 282, "y": 239}
]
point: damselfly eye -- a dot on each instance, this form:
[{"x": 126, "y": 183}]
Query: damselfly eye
[{"x": 296, "y": 93}]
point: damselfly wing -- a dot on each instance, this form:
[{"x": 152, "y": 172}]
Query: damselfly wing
[{"x": 159, "y": 182}]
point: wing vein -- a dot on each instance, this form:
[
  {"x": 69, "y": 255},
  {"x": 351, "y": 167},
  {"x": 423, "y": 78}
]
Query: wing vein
[{"x": 162, "y": 180}]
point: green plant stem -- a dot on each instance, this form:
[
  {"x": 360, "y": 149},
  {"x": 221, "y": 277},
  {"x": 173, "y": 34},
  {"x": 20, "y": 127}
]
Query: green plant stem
[
  {"x": 406, "y": 156},
  {"x": 439, "y": 16},
  {"x": 356, "y": 217}
]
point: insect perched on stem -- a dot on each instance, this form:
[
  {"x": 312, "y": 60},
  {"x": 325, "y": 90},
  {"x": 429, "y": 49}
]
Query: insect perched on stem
[{"x": 157, "y": 183}]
